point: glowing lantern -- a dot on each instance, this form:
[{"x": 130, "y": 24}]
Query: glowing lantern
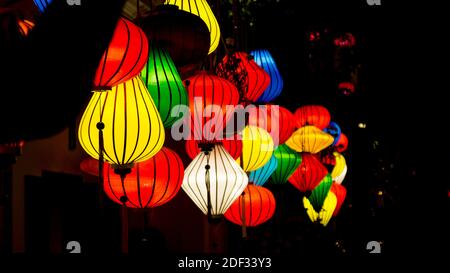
[
  {"x": 326, "y": 211},
  {"x": 334, "y": 130},
  {"x": 89, "y": 166},
  {"x": 124, "y": 58},
  {"x": 164, "y": 84},
  {"x": 233, "y": 147},
  {"x": 340, "y": 165},
  {"x": 150, "y": 184},
  {"x": 340, "y": 178},
  {"x": 345, "y": 40},
  {"x": 319, "y": 194},
  {"x": 309, "y": 139},
  {"x": 25, "y": 26},
  {"x": 312, "y": 115},
  {"x": 342, "y": 143},
  {"x": 265, "y": 60},
  {"x": 257, "y": 148},
  {"x": 250, "y": 79},
  {"x": 213, "y": 180},
  {"x": 346, "y": 88},
  {"x": 308, "y": 174},
  {"x": 207, "y": 95},
  {"x": 260, "y": 176},
  {"x": 202, "y": 9},
  {"x": 129, "y": 121},
  {"x": 255, "y": 206},
  {"x": 288, "y": 161},
  {"x": 42, "y": 4},
  {"x": 340, "y": 193}
]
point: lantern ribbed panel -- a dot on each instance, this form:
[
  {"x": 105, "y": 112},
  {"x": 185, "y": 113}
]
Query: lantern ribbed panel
[
  {"x": 308, "y": 174},
  {"x": 316, "y": 115},
  {"x": 260, "y": 176},
  {"x": 257, "y": 148},
  {"x": 265, "y": 60},
  {"x": 309, "y": 139}
]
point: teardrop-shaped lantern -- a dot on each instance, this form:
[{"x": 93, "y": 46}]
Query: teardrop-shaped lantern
[
  {"x": 233, "y": 147},
  {"x": 309, "y": 139},
  {"x": 340, "y": 192},
  {"x": 316, "y": 115},
  {"x": 202, "y": 9},
  {"x": 255, "y": 206},
  {"x": 340, "y": 178},
  {"x": 265, "y": 60},
  {"x": 151, "y": 183},
  {"x": 42, "y": 4},
  {"x": 133, "y": 130},
  {"x": 342, "y": 143},
  {"x": 257, "y": 148},
  {"x": 124, "y": 58},
  {"x": 288, "y": 162},
  {"x": 213, "y": 180},
  {"x": 308, "y": 174},
  {"x": 164, "y": 84},
  {"x": 242, "y": 71},
  {"x": 319, "y": 194},
  {"x": 209, "y": 97},
  {"x": 325, "y": 213},
  {"x": 260, "y": 176},
  {"x": 334, "y": 130},
  {"x": 340, "y": 165}
]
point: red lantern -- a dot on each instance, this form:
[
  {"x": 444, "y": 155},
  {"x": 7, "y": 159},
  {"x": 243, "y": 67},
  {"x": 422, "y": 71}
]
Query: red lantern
[
  {"x": 340, "y": 193},
  {"x": 312, "y": 115},
  {"x": 232, "y": 146},
  {"x": 245, "y": 73},
  {"x": 150, "y": 184},
  {"x": 256, "y": 205},
  {"x": 124, "y": 58},
  {"x": 346, "y": 88},
  {"x": 208, "y": 93},
  {"x": 342, "y": 143},
  {"x": 309, "y": 174},
  {"x": 278, "y": 122},
  {"x": 90, "y": 166}
]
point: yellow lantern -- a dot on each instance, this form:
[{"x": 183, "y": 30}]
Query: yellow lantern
[
  {"x": 127, "y": 119},
  {"x": 202, "y": 9},
  {"x": 324, "y": 215},
  {"x": 309, "y": 139},
  {"x": 340, "y": 168},
  {"x": 257, "y": 148}
]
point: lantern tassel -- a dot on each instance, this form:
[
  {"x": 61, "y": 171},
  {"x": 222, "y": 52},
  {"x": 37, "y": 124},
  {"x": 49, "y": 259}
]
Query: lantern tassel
[
  {"x": 100, "y": 127},
  {"x": 244, "y": 224}
]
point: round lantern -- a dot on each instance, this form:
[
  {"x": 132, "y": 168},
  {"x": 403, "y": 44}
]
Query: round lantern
[
  {"x": 255, "y": 206},
  {"x": 184, "y": 35},
  {"x": 202, "y": 9},
  {"x": 334, "y": 130},
  {"x": 320, "y": 192},
  {"x": 257, "y": 148},
  {"x": 243, "y": 72},
  {"x": 308, "y": 174},
  {"x": 340, "y": 193},
  {"x": 265, "y": 60},
  {"x": 288, "y": 162},
  {"x": 316, "y": 115},
  {"x": 325, "y": 212},
  {"x": 233, "y": 147},
  {"x": 213, "y": 180},
  {"x": 128, "y": 120},
  {"x": 260, "y": 176},
  {"x": 309, "y": 139},
  {"x": 209, "y": 97},
  {"x": 164, "y": 84},
  {"x": 42, "y": 4},
  {"x": 124, "y": 58},
  {"x": 342, "y": 143},
  {"x": 339, "y": 167},
  {"x": 150, "y": 184}
]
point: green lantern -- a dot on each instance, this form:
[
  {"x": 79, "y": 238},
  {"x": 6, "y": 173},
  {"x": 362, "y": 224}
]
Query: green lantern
[
  {"x": 288, "y": 161},
  {"x": 164, "y": 84},
  {"x": 319, "y": 194}
]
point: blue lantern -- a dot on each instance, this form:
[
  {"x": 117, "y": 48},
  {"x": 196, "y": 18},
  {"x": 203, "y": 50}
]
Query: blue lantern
[
  {"x": 263, "y": 58},
  {"x": 334, "y": 130},
  {"x": 42, "y": 4},
  {"x": 260, "y": 176}
]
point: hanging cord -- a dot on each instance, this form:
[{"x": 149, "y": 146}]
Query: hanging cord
[
  {"x": 208, "y": 183},
  {"x": 122, "y": 172},
  {"x": 138, "y": 10},
  {"x": 244, "y": 224}
]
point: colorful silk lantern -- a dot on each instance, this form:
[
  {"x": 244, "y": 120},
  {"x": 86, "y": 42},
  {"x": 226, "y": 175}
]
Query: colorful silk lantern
[
  {"x": 320, "y": 192},
  {"x": 340, "y": 165},
  {"x": 202, "y": 9},
  {"x": 265, "y": 60},
  {"x": 128, "y": 120},
  {"x": 90, "y": 166},
  {"x": 309, "y": 139},
  {"x": 255, "y": 206},
  {"x": 209, "y": 97},
  {"x": 249, "y": 78},
  {"x": 184, "y": 35},
  {"x": 25, "y": 26},
  {"x": 213, "y": 180},
  {"x": 334, "y": 130},
  {"x": 276, "y": 120},
  {"x": 260, "y": 176},
  {"x": 340, "y": 193},
  {"x": 342, "y": 143},
  {"x": 257, "y": 148},
  {"x": 326, "y": 211},
  {"x": 124, "y": 58},
  {"x": 316, "y": 115},
  {"x": 340, "y": 178},
  {"x": 164, "y": 84},
  {"x": 151, "y": 183},
  {"x": 233, "y": 147},
  {"x": 308, "y": 174},
  {"x": 42, "y": 4},
  {"x": 288, "y": 162}
]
